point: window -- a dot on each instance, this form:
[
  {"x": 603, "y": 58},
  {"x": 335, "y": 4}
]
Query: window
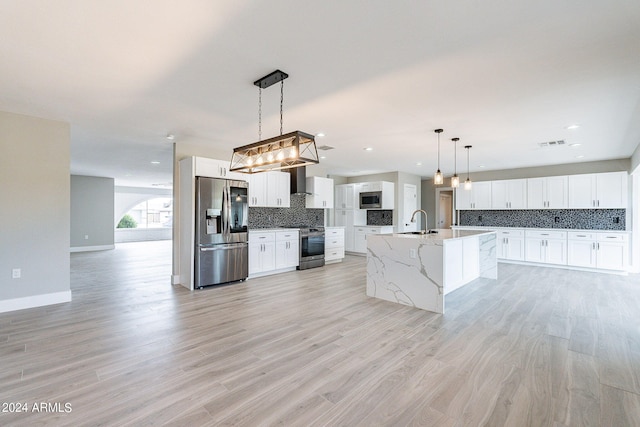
[{"x": 153, "y": 213}]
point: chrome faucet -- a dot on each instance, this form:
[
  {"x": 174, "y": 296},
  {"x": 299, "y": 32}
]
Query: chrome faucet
[{"x": 413, "y": 219}]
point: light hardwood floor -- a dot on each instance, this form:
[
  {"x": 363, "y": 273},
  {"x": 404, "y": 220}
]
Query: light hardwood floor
[{"x": 537, "y": 347}]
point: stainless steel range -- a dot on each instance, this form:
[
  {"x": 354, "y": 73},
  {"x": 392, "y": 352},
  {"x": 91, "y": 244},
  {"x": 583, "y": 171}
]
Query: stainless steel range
[{"x": 311, "y": 247}]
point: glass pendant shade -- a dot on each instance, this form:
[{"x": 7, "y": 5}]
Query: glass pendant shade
[
  {"x": 438, "y": 179},
  {"x": 455, "y": 181},
  {"x": 467, "y": 184}
]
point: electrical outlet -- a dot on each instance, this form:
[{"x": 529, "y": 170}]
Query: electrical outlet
[
  {"x": 16, "y": 273},
  {"x": 86, "y": 237},
  {"x": 412, "y": 253},
  {"x": 616, "y": 220}
]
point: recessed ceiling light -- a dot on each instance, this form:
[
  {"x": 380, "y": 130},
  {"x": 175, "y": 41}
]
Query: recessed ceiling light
[
  {"x": 572, "y": 127},
  {"x": 319, "y": 134},
  {"x": 579, "y": 157},
  {"x": 155, "y": 162},
  {"x": 575, "y": 144},
  {"x": 481, "y": 166},
  {"x": 171, "y": 136},
  {"x": 419, "y": 164},
  {"x": 323, "y": 157},
  {"x": 368, "y": 149}
]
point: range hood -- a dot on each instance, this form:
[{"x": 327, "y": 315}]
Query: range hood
[{"x": 298, "y": 180}]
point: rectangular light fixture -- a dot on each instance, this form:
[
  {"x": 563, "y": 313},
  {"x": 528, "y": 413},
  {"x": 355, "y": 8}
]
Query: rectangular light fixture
[{"x": 290, "y": 150}]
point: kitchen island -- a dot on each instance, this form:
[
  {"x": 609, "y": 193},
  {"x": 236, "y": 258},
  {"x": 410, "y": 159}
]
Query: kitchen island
[{"x": 420, "y": 269}]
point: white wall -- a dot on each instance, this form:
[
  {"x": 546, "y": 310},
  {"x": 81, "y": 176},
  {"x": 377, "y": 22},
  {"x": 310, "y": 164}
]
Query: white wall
[
  {"x": 91, "y": 213},
  {"x": 34, "y": 212}
]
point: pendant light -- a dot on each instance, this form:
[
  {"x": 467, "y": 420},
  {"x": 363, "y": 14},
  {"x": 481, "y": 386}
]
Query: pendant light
[
  {"x": 467, "y": 183},
  {"x": 437, "y": 177},
  {"x": 291, "y": 150},
  {"x": 455, "y": 179}
]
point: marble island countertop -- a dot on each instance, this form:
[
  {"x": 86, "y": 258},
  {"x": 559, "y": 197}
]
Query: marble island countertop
[{"x": 441, "y": 235}]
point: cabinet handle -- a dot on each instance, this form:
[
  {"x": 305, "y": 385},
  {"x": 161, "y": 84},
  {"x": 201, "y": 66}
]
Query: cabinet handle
[
  {"x": 581, "y": 235},
  {"x": 598, "y": 244},
  {"x": 593, "y": 203},
  {"x": 593, "y": 246},
  {"x": 598, "y": 204},
  {"x": 544, "y": 234},
  {"x": 611, "y": 237}
]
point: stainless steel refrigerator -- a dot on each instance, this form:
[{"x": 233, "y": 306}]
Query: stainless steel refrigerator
[{"x": 221, "y": 231}]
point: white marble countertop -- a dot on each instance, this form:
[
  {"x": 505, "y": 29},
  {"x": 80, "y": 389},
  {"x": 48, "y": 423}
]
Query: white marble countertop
[
  {"x": 488, "y": 227},
  {"x": 443, "y": 234}
]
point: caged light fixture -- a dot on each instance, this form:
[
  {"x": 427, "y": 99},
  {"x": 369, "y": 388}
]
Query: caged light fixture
[
  {"x": 437, "y": 177},
  {"x": 291, "y": 150},
  {"x": 455, "y": 179},
  {"x": 467, "y": 183}
]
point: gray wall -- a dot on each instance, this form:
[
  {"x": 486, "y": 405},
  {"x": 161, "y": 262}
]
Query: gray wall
[
  {"x": 429, "y": 192},
  {"x": 92, "y": 207},
  {"x": 34, "y": 207}
]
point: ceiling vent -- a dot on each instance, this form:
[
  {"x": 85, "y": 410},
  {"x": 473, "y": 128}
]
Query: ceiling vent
[
  {"x": 552, "y": 143},
  {"x": 325, "y": 147}
]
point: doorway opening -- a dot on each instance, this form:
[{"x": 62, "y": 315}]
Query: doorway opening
[{"x": 445, "y": 207}]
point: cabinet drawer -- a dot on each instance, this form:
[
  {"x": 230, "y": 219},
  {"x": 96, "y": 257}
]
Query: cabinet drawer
[
  {"x": 547, "y": 234},
  {"x": 606, "y": 237},
  {"x": 510, "y": 233},
  {"x": 282, "y": 236},
  {"x": 262, "y": 237},
  {"x": 331, "y": 254},
  {"x": 334, "y": 242},
  {"x": 582, "y": 235},
  {"x": 334, "y": 233}
]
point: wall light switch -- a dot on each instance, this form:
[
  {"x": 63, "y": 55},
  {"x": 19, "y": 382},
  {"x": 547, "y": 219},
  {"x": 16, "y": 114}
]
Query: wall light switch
[
  {"x": 16, "y": 273},
  {"x": 86, "y": 237}
]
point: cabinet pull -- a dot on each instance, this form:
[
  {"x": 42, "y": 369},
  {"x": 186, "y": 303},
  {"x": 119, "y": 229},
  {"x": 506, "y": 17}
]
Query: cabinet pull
[
  {"x": 581, "y": 235},
  {"x": 598, "y": 244},
  {"x": 544, "y": 234},
  {"x": 598, "y": 204},
  {"x": 611, "y": 237}
]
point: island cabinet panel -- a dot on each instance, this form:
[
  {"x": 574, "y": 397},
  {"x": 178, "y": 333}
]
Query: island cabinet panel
[{"x": 419, "y": 270}]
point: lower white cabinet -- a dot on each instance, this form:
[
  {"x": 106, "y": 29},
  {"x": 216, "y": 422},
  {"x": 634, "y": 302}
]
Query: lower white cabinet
[
  {"x": 510, "y": 244},
  {"x": 360, "y": 235},
  {"x": 549, "y": 247},
  {"x": 334, "y": 245},
  {"x": 273, "y": 251},
  {"x": 287, "y": 249},
  {"x": 607, "y": 251},
  {"x": 262, "y": 252}
]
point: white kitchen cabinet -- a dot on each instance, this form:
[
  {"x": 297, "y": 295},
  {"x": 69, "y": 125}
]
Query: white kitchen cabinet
[
  {"x": 346, "y": 196},
  {"x": 361, "y": 233},
  {"x": 321, "y": 190},
  {"x": 602, "y": 250},
  {"x": 548, "y": 192},
  {"x": 334, "y": 245},
  {"x": 509, "y": 194},
  {"x": 269, "y": 189},
  {"x": 278, "y": 189},
  {"x": 549, "y": 247},
  {"x": 510, "y": 244},
  {"x": 479, "y": 197},
  {"x": 287, "y": 249},
  {"x": 601, "y": 190},
  {"x": 262, "y": 252},
  {"x": 214, "y": 168}
]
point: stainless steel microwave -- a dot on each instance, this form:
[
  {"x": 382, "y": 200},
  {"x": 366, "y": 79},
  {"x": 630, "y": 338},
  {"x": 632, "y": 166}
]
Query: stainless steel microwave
[{"x": 371, "y": 200}]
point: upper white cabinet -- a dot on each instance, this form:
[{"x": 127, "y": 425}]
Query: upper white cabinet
[
  {"x": 479, "y": 197},
  {"x": 601, "y": 190},
  {"x": 346, "y": 196},
  {"x": 509, "y": 194},
  {"x": 548, "y": 192},
  {"x": 269, "y": 189},
  {"x": 321, "y": 190},
  {"x": 216, "y": 169}
]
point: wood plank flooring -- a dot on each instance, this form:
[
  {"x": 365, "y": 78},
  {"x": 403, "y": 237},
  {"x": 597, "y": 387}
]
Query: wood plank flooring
[{"x": 538, "y": 347}]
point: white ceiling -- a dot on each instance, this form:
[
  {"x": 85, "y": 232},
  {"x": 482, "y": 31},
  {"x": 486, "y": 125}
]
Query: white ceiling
[{"x": 502, "y": 76}]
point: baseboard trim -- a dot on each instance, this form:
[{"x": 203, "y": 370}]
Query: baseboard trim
[
  {"x": 91, "y": 248},
  {"x": 34, "y": 301}
]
